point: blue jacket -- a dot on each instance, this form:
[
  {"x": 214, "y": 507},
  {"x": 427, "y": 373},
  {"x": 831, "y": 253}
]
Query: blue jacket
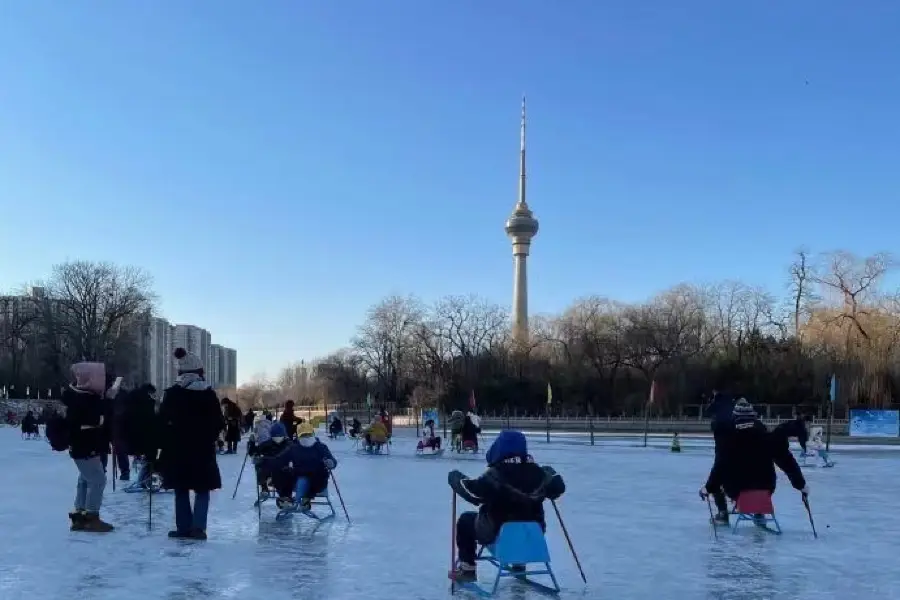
[
  {"x": 720, "y": 411},
  {"x": 304, "y": 459}
]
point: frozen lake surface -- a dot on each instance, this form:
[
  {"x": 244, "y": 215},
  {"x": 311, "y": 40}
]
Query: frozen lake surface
[{"x": 639, "y": 528}]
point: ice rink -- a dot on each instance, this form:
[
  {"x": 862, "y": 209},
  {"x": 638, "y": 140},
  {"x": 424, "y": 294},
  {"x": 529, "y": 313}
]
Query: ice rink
[{"x": 634, "y": 515}]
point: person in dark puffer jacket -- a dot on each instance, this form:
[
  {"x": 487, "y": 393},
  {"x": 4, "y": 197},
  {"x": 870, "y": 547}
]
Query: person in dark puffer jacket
[
  {"x": 88, "y": 443},
  {"x": 798, "y": 428},
  {"x": 302, "y": 471},
  {"x": 746, "y": 461},
  {"x": 191, "y": 421},
  {"x": 513, "y": 488}
]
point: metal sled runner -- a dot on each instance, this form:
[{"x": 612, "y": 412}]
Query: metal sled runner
[
  {"x": 321, "y": 499},
  {"x": 518, "y": 545}
]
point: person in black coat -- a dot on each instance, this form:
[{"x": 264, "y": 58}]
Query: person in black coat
[
  {"x": 798, "y": 428},
  {"x": 746, "y": 461},
  {"x": 191, "y": 422},
  {"x": 513, "y": 488},
  {"x": 141, "y": 429},
  {"x": 233, "y": 417},
  {"x": 88, "y": 441}
]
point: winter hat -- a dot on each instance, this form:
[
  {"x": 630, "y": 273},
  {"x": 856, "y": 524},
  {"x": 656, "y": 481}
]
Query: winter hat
[
  {"x": 90, "y": 377},
  {"x": 187, "y": 362},
  {"x": 508, "y": 444},
  {"x": 305, "y": 429},
  {"x": 743, "y": 411},
  {"x": 278, "y": 430}
]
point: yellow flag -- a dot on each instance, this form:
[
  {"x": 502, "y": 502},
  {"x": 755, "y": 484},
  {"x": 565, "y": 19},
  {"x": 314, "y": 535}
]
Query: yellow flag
[{"x": 549, "y": 395}]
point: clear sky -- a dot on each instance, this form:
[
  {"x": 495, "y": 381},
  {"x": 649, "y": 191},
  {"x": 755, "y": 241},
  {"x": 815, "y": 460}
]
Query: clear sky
[{"x": 279, "y": 166}]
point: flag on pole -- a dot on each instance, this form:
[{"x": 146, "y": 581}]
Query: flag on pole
[
  {"x": 549, "y": 395},
  {"x": 369, "y": 399},
  {"x": 472, "y": 400},
  {"x": 833, "y": 391},
  {"x": 652, "y": 391}
]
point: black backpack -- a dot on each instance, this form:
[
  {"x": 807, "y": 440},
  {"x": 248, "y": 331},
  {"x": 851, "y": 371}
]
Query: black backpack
[{"x": 57, "y": 433}]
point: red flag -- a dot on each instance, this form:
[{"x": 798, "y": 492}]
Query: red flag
[{"x": 472, "y": 400}]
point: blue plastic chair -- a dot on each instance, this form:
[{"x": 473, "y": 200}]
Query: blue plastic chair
[{"x": 519, "y": 543}]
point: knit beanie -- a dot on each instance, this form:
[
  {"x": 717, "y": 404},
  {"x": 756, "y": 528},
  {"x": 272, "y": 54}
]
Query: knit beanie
[
  {"x": 743, "y": 411},
  {"x": 187, "y": 362}
]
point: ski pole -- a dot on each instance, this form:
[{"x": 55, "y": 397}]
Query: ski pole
[
  {"x": 452, "y": 573},
  {"x": 341, "y": 498},
  {"x": 114, "y": 469},
  {"x": 150, "y": 505},
  {"x": 812, "y": 523},
  {"x": 712, "y": 518},
  {"x": 568, "y": 540},
  {"x": 241, "y": 474}
]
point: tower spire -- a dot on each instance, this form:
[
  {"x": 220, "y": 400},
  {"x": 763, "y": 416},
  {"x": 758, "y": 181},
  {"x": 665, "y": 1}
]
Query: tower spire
[{"x": 521, "y": 201}]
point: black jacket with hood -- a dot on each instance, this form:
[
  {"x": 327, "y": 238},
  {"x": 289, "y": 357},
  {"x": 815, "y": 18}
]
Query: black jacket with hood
[{"x": 513, "y": 488}]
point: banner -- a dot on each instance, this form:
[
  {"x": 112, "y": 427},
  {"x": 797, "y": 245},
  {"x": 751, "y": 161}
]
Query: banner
[
  {"x": 430, "y": 414},
  {"x": 549, "y": 395},
  {"x": 875, "y": 423}
]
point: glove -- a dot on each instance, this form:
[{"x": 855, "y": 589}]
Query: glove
[
  {"x": 805, "y": 491},
  {"x": 330, "y": 464},
  {"x": 703, "y": 493}
]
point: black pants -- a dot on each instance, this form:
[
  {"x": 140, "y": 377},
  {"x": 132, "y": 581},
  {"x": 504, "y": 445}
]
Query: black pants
[
  {"x": 122, "y": 462},
  {"x": 466, "y": 540}
]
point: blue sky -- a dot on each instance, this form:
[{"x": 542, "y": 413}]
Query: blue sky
[{"x": 280, "y": 166}]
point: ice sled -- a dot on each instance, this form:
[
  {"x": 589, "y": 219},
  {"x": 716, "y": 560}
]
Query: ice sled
[
  {"x": 321, "y": 499},
  {"x": 756, "y": 507},
  {"x": 151, "y": 484},
  {"x": 375, "y": 449},
  {"x": 425, "y": 453},
  {"x": 518, "y": 545}
]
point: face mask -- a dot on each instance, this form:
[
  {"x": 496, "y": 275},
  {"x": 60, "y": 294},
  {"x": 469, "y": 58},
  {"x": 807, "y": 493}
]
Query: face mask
[
  {"x": 307, "y": 441},
  {"x": 277, "y": 440}
]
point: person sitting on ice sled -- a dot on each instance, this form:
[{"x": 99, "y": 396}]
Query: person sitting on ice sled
[
  {"x": 355, "y": 428},
  {"x": 455, "y": 422},
  {"x": 302, "y": 470},
  {"x": 265, "y": 452},
  {"x": 429, "y": 440},
  {"x": 513, "y": 488},
  {"x": 746, "y": 460},
  {"x": 470, "y": 429},
  {"x": 335, "y": 428},
  {"x": 376, "y": 434},
  {"x": 676, "y": 443}
]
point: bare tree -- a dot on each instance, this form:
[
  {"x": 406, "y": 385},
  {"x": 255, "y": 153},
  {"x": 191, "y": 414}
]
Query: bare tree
[{"x": 96, "y": 305}]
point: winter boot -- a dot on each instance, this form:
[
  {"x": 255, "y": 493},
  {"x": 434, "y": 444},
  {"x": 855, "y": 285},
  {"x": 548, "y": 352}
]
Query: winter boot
[
  {"x": 465, "y": 572},
  {"x": 197, "y": 534},
  {"x": 284, "y": 502},
  {"x": 94, "y": 524},
  {"x": 721, "y": 518},
  {"x": 306, "y": 504},
  {"x": 179, "y": 535},
  {"x": 78, "y": 520},
  {"x": 125, "y": 476}
]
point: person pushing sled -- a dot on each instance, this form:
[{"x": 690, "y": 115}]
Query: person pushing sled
[
  {"x": 746, "y": 461},
  {"x": 513, "y": 488}
]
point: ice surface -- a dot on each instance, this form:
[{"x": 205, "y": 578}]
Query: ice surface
[{"x": 639, "y": 528}]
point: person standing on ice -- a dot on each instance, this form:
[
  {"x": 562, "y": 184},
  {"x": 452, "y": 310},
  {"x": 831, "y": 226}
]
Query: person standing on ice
[
  {"x": 191, "y": 421},
  {"x": 88, "y": 443},
  {"x": 302, "y": 470},
  {"x": 290, "y": 420},
  {"x": 746, "y": 460},
  {"x": 513, "y": 488}
]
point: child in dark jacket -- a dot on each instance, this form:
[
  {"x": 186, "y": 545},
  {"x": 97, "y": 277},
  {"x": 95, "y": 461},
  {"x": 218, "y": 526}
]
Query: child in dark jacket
[
  {"x": 265, "y": 453},
  {"x": 302, "y": 470},
  {"x": 88, "y": 443},
  {"x": 513, "y": 488}
]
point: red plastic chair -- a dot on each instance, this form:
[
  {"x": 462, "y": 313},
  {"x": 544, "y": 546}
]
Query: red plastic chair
[{"x": 756, "y": 506}]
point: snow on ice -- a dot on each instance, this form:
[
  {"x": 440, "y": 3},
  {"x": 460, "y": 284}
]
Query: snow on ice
[{"x": 637, "y": 523}]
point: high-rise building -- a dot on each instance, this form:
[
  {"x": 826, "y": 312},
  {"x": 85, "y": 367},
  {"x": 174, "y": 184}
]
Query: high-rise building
[
  {"x": 521, "y": 227},
  {"x": 162, "y": 364},
  {"x": 228, "y": 367},
  {"x": 214, "y": 373}
]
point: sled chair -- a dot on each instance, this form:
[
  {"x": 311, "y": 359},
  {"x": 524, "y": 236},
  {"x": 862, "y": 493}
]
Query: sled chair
[
  {"x": 321, "y": 499},
  {"x": 756, "y": 506},
  {"x": 518, "y": 545}
]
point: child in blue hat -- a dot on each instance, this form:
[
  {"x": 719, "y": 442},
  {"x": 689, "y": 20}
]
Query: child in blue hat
[{"x": 513, "y": 488}]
